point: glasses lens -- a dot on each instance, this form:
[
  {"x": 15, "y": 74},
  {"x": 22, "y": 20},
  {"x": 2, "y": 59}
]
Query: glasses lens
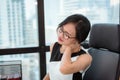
[{"x": 66, "y": 36}]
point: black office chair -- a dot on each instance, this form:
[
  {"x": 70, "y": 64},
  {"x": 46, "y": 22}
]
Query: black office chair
[{"x": 105, "y": 48}]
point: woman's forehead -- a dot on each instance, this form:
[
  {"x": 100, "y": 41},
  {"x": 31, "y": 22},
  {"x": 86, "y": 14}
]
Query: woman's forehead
[{"x": 70, "y": 28}]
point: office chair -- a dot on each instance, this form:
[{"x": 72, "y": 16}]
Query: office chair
[{"x": 104, "y": 47}]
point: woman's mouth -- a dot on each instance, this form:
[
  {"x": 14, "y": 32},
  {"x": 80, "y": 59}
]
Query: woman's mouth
[{"x": 59, "y": 39}]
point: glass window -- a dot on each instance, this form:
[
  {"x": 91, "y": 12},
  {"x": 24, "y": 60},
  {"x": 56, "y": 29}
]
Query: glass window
[
  {"x": 97, "y": 11},
  {"x": 18, "y": 23},
  {"x": 25, "y": 66},
  {"x": 47, "y": 60}
]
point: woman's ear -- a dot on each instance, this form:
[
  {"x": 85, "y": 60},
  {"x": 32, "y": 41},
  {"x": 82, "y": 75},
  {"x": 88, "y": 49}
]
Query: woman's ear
[{"x": 76, "y": 42}]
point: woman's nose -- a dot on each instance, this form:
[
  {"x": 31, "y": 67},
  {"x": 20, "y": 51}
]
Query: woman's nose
[{"x": 61, "y": 34}]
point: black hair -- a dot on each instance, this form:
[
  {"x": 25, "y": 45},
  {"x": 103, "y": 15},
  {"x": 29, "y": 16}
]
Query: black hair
[{"x": 82, "y": 26}]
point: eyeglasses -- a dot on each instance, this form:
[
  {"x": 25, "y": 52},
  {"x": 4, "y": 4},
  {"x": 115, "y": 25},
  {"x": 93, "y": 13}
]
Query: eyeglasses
[{"x": 66, "y": 35}]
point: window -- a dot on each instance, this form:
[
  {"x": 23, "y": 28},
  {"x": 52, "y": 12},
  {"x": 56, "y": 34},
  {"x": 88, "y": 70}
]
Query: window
[
  {"x": 19, "y": 39},
  {"x": 25, "y": 66},
  {"x": 18, "y": 23},
  {"x": 97, "y": 11}
]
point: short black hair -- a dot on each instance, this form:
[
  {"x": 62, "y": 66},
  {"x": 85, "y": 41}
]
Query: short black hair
[{"x": 82, "y": 25}]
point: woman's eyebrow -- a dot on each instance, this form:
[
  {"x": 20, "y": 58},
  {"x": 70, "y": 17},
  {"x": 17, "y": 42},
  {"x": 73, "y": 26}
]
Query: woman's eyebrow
[{"x": 66, "y": 32}]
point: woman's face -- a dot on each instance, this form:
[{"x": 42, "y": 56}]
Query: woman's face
[{"x": 67, "y": 34}]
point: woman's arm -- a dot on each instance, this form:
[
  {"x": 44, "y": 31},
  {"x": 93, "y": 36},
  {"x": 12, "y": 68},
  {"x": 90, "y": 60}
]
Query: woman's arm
[
  {"x": 68, "y": 67},
  {"x": 46, "y": 77}
]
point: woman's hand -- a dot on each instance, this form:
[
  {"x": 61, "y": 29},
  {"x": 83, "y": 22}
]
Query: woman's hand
[
  {"x": 67, "y": 65},
  {"x": 46, "y": 77},
  {"x": 73, "y": 48}
]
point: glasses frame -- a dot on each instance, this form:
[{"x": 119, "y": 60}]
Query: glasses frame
[{"x": 65, "y": 33}]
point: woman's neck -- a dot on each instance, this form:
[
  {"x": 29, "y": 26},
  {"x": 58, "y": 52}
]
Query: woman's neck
[{"x": 74, "y": 50}]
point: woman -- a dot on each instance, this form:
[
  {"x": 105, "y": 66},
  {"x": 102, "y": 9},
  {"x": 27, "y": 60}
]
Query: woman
[{"x": 68, "y": 59}]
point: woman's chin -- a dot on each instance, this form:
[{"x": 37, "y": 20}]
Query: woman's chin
[{"x": 59, "y": 42}]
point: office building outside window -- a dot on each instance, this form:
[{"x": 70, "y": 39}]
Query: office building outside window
[
  {"x": 97, "y": 11},
  {"x": 18, "y": 26},
  {"x": 18, "y": 29}
]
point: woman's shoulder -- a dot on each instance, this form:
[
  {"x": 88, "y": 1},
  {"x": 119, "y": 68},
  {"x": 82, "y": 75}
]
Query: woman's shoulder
[
  {"x": 85, "y": 54},
  {"x": 56, "y": 44},
  {"x": 86, "y": 57}
]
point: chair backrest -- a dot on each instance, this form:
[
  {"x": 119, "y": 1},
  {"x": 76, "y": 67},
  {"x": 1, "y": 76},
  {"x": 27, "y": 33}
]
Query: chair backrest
[{"x": 104, "y": 48}]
